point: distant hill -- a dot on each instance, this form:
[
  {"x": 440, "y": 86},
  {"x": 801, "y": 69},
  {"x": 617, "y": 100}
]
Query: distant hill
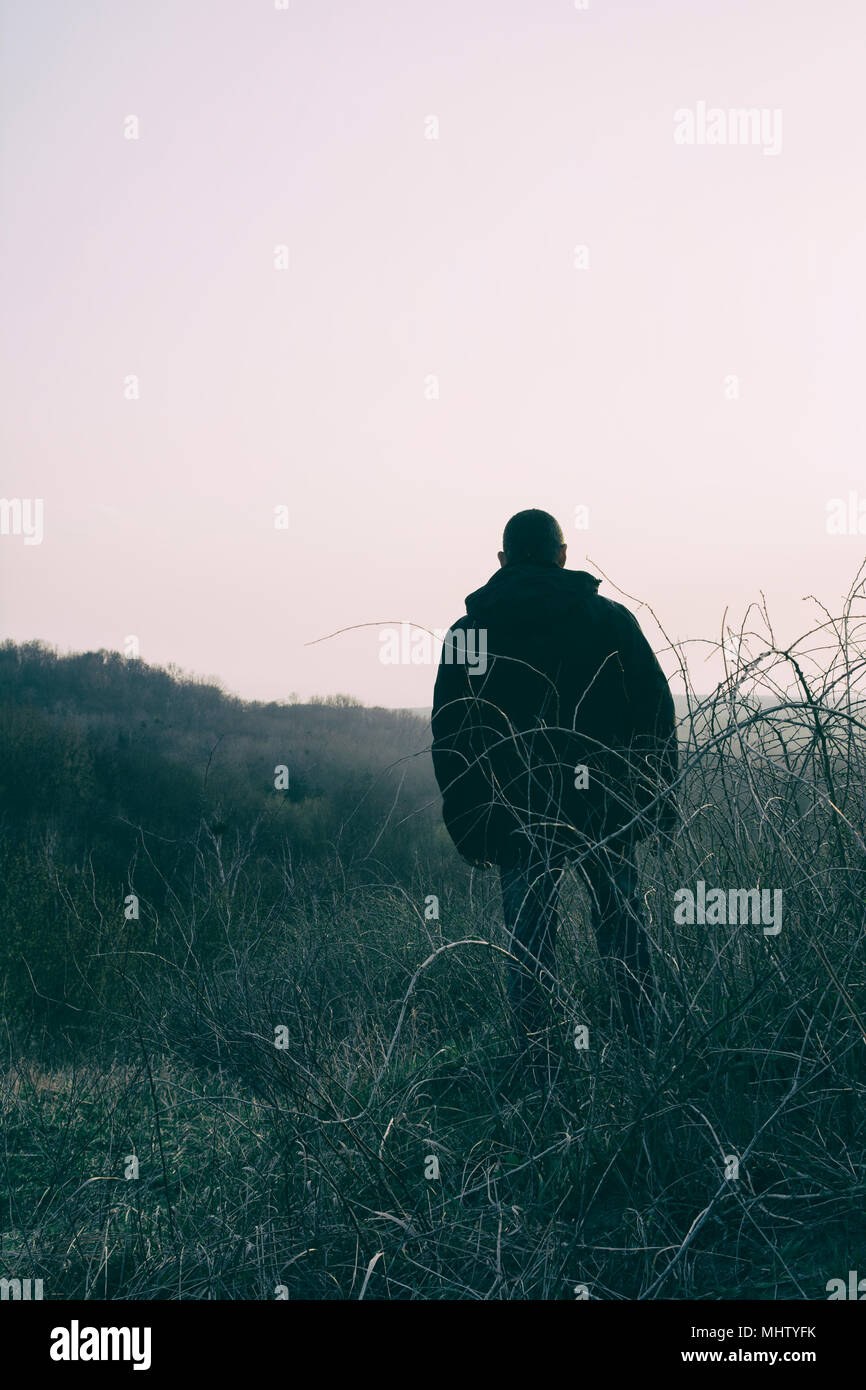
[{"x": 94, "y": 745}]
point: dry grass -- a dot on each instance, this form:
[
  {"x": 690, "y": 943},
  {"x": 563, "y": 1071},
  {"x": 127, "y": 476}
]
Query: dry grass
[{"x": 304, "y": 1167}]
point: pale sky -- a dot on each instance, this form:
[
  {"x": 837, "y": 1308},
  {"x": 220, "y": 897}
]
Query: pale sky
[{"x": 412, "y": 259}]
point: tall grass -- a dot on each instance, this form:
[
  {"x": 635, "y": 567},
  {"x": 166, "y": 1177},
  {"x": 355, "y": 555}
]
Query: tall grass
[{"x": 305, "y": 1169}]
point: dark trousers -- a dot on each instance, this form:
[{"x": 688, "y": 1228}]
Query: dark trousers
[{"x": 530, "y": 901}]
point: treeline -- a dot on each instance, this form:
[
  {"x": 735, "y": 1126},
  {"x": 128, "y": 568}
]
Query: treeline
[
  {"x": 118, "y": 776},
  {"x": 95, "y": 749}
]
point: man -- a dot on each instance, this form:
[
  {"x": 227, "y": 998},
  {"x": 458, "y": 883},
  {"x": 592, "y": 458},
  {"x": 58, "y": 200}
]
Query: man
[{"x": 554, "y": 743}]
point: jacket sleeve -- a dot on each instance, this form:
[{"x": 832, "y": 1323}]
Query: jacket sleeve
[
  {"x": 458, "y": 762},
  {"x": 448, "y": 723},
  {"x": 651, "y": 718}
]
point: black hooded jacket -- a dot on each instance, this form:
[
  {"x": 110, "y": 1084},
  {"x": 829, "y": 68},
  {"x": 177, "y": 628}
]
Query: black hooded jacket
[{"x": 551, "y": 719}]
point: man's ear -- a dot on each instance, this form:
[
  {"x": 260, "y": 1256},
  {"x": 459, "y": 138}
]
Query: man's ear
[
  {"x": 502, "y": 560},
  {"x": 560, "y": 559}
]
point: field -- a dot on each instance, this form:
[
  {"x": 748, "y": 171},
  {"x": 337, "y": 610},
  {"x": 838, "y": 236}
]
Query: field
[{"x": 256, "y": 1043}]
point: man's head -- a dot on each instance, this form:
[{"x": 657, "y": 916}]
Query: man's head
[{"x": 533, "y": 537}]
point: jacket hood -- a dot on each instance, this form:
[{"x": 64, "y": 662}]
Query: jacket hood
[{"x": 526, "y": 594}]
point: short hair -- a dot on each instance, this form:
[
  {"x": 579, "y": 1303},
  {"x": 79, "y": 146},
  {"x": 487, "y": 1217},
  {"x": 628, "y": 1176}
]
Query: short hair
[{"x": 534, "y": 537}]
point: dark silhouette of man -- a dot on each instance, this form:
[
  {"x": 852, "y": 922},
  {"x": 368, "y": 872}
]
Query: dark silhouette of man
[{"x": 554, "y": 742}]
